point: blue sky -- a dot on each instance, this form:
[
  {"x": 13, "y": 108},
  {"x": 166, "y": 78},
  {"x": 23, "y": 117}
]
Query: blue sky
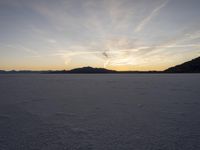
[{"x": 115, "y": 34}]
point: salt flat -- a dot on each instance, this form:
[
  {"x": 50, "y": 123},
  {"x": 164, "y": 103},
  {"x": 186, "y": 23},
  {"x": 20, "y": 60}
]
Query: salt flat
[{"x": 100, "y": 112}]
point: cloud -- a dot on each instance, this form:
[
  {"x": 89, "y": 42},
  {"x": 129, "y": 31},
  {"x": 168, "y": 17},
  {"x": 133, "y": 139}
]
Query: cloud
[
  {"x": 147, "y": 19},
  {"x": 124, "y": 51},
  {"x": 32, "y": 52},
  {"x": 105, "y": 55}
]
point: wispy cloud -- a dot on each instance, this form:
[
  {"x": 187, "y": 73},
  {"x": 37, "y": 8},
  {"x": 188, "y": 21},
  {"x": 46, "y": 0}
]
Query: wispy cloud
[
  {"x": 33, "y": 53},
  {"x": 125, "y": 53},
  {"x": 147, "y": 19}
]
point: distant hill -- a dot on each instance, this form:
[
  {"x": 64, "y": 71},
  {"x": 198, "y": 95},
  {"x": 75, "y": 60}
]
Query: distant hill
[
  {"x": 91, "y": 70},
  {"x": 192, "y": 66}
]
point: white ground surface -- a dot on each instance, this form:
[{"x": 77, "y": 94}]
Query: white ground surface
[{"x": 100, "y": 112}]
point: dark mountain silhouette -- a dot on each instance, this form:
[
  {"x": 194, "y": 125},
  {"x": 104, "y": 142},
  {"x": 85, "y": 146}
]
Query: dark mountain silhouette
[
  {"x": 192, "y": 66},
  {"x": 82, "y": 70},
  {"x": 91, "y": 70},
  {"x": 2, "y": 71}
]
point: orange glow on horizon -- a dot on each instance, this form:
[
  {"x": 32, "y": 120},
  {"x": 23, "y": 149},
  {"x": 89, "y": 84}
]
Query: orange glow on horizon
[{"x": 117, "y": 68}]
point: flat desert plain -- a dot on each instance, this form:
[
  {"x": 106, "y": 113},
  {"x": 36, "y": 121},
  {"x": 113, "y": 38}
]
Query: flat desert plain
[{"x": 100, "y": 112}]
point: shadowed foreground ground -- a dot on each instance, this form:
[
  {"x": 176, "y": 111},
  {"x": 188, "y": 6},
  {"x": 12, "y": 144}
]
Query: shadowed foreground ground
[{"x": 100, "y": 112}]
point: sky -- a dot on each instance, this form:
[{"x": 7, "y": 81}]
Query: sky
[{"x": 114, "y": 34}]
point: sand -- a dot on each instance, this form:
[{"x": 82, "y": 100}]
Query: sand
[{"x": 100, "y": 112}]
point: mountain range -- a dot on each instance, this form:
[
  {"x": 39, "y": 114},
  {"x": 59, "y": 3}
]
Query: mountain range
[{"x": 192, "y": 66}]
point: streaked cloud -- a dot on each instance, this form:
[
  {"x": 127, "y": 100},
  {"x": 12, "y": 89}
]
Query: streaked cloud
[
  {"x": 132, "y": 55},
  {"x": 31, "y": 52},
  {"x": 147, "y": 19}
]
